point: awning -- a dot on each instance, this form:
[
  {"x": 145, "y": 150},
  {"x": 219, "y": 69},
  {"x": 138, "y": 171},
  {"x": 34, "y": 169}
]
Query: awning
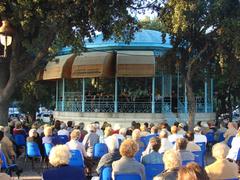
[
  {"x": 58, "y": 68},
  {"x": 135, "y": 64},
  {"x": 93, "y": 64}
]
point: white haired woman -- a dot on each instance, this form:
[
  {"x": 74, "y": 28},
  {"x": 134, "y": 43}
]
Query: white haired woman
[
  {"x": 222, "y": 168},
  {"x": 59, "y": 158},
  {"x": 172, "y": 162}
]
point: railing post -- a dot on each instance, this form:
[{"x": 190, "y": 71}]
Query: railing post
[
  {"x": 185, "y": 99},
  {"x": 163, "y": 94},
  {"x": 116, "y": 95},
  {"x": 63, "y": 93},
  {"x": 56, "y": 105},
  {"x": 205, "y": 96},
  {"x": 153, "y": 94},
  {"x": 211, "y": 94},
  {"x": 83, "y": 95}
]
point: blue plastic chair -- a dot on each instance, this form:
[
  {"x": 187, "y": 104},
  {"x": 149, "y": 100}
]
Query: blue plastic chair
[
  {"x": 47, "y": 148},
  {"x": 229, "y": 142},
  {"x": 106, "y": 173},
  {"x": 152, "y": 170},
  {"x": 8, "y": 168},
  {"x": 238, "y": 155},
  {"x": 138, "y": 155},
  {"x": 184, "y": 163},
  {"x": 210, "y": 137},
  {"x": 127, "y": 176},
  {"x": 20, "y": 140},
  {"x": 99, "y": 150},
  {"x": 199, "y": 157},
  {"x": 221, "y": 137},
  {"x": 202, "y": 146},
  {"x": 62, "y": 139},
  {"x": 147, "y": 138},
  {"x": 76, "y": 159},
  {"x": 33, "y": 152}
]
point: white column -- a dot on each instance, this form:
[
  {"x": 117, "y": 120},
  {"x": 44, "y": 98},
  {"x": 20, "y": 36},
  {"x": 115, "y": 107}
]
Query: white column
[
  {"x": 63, "y": 93},
  {"x": 211, "y": 94},
  {"x": 163, "y": 93},
  {"x": 153, "y": 94},
  {"x": 116, "y": 95},
  {"x": 56, "y": 105},
  {"x": 205, "y": 95},
  {"x": 185, "y": 99},
  {"x": 83, "y": 95}
]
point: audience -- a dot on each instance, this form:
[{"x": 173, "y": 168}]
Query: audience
[
  {"x": 136, "y": 136},
  {"x": 112, "y": 155},
  {"x": 59, "y": 159},
  {"x": 191, "y": 145},
  {"x": 192, "y": 171},
  {"x": 165, "y": 143},
  {"x": 127, "y": 163},
  {"x": 181, "y": 145},
  {"x": 90, "y": 140},
  {"x": 174, "y": 136},
  {"x": 18, "y": 129},
  {"x": 181, "y": 130},
  {"x": 233, "y": 152},
  {"x": 3, "y": 176},
  {"x": 48, "y": 138},
  {"x": 63, "y": 131},
  {"x": 172, "y": 162},
  {"x": 231, "y": 131},
  {"x": 222, "y": 168},
  {"x": 153, "y": 157},
  {"x": 198, "y": 136}
]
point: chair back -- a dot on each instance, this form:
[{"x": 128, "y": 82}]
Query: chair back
[
  {"x": 33, "y": 150},
  {"x": 147, "y": 138},
  {"x": 199, "y": 157},
  {"x": 152, "y": 170},
  {"x": 106, "y": 173},
  {"x": 229, "y": 142},
  {"x": 184, "y": 163},
  {"x": 4, "y": 161},
  {"x": 62, "y": 139},
  {"x": 210, "y": 137},
  {"x": 221, "y": 137},
  {"x": 47, "y": 148},
  {"x": 20, "y": 139},
  {"x": 138, "y": 155},
  {"x": 76, "y": 159},
  {"x": 127, "y": 176},
  {"x": 202, "y": 146},
  {"x": 238, "y": 155},
  {"x": 99, "y": 150}
]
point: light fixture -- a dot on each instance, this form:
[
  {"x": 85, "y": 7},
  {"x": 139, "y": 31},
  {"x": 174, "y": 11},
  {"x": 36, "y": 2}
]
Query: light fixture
[{"x": 6, "y": 33}]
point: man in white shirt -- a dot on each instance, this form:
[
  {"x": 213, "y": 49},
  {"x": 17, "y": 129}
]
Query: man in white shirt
[
  {"x": 63, "y": 130},
  {"x": 174, "y": 136},
  {"x": 198, "y": 137}
]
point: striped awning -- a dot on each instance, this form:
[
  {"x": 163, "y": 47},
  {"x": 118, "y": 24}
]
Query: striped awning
[
  {"x": 135, "y": 64},
  {"x": 93, "y": 64},
  {"x": 58, "y": 68}
]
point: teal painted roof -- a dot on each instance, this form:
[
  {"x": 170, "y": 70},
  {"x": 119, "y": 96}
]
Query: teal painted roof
[{"x": 143, "y": 40}]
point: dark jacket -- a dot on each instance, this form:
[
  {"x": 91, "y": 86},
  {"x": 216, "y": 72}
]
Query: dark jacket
[{"x": 169, "y": 174}]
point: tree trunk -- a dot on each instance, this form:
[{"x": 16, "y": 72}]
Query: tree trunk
[
  {"x": 191, "y": 99},
  {"x": 4, "y": 113}
]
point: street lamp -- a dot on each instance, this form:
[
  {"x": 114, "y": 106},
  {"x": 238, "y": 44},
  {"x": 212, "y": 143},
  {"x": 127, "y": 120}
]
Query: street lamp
[{"x": 6, "y": 33}]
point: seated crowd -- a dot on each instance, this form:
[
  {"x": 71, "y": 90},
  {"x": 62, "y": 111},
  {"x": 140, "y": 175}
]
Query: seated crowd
[{"x": 129, "y": 150}]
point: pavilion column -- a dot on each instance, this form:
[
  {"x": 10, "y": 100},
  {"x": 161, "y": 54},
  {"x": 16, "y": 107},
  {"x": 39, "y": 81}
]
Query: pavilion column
[
  {"x": 83, "y": 95},
  {"x": 211, "y": 95},
  {"x": 205, "y": 96},
  {"x": 178, "y": 80},
  {"x": 153, "y": 94},
  {"x": 63, "y": 93},
  {"x": 116, "y": 95},
  {"x": 185, "y": 99},
  {"x": 163, "y": 93},
  {"x": 56, "y": 105}
]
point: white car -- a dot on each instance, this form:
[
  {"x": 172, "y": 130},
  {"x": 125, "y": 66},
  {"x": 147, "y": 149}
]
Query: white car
[{"x": 44, "y": 117}]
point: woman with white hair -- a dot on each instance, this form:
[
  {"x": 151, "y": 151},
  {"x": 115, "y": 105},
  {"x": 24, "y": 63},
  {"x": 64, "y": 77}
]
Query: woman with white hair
[
  {"x": 172, "y": 162},
  {"x": 165, "y": 143},
  {"x": 112, "y": 155},
  {"x": 136, "y": 135},
  {"x": 222, "y": 168},
  {"x": 59, "y": 159}
]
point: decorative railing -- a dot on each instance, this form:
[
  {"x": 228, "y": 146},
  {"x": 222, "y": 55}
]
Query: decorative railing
[
  {"x": 135, "y": 107},
  {"x": 98, "y": 106}
]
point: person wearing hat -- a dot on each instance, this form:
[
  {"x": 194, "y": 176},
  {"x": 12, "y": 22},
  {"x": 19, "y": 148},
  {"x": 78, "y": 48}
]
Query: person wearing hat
[
  {"x": 198, "y": 136},
  {"x": 181, "y": 130}
]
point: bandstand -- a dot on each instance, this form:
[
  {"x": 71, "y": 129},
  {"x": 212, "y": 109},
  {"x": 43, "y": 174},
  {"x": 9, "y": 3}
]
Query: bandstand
[{"x": 119, "y": 82}]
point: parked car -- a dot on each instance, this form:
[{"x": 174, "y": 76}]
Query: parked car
[{"x": 44, "y": 117}]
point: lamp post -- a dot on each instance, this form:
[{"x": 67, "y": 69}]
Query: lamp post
[{"x": 6, "y": 33}]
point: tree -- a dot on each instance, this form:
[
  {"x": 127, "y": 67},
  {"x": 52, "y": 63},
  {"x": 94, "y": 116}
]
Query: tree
[
  {"x": 194, "y": 28},
  {"x": 42, "y": 27}
]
